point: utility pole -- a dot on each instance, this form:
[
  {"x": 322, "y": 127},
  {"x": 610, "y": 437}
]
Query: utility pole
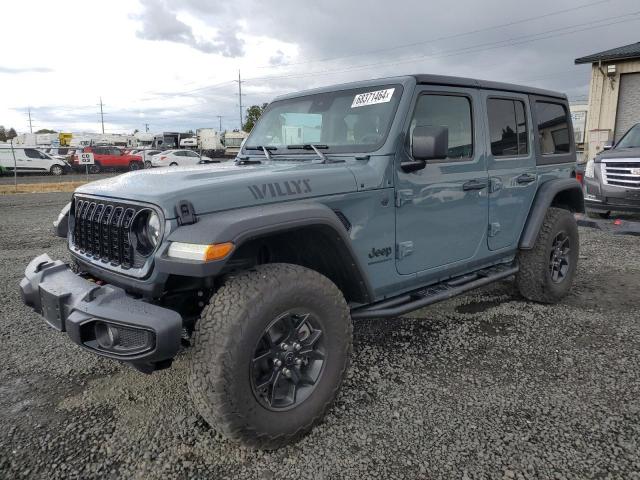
[
  {"x": 30, "y": 126},
  {"x": 220, "y": 120},
  {"x": 240, "y": 97},
  {"x": 146, "y": 127},
  {"x": 101, "y": 116}
]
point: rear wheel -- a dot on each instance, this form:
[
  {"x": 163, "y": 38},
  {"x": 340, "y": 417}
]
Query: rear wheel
[
  {"x": 56, "y": 170},
  {"x": 135, "y": 166},
  {"x": 147, "y": 164},
  {"x": 173, "y": 164},
  {"x": 95, "y": 168},
  {"x": 547, "y": 270},
  {"x": 270, "y": 351}
]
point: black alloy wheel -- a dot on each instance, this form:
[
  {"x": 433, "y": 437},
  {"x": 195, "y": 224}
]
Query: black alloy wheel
[
  {"x": 288, "y": 361},
  {"x": 559, "y": 258}
]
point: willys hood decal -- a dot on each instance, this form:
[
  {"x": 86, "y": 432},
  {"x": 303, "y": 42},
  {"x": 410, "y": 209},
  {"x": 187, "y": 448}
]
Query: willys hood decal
[{"x": 225, "y": 186}]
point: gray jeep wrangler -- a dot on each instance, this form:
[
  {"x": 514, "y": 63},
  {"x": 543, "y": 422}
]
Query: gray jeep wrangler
[{"x": 370, "y": 199}]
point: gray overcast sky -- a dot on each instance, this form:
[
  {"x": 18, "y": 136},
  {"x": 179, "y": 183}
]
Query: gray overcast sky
[{"x": 172, "y": 64}]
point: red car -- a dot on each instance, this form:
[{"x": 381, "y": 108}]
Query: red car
[{"x": 109, "y": 157}]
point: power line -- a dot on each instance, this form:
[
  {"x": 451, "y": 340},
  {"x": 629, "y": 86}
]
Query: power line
[{"x": 447, "y": 37}]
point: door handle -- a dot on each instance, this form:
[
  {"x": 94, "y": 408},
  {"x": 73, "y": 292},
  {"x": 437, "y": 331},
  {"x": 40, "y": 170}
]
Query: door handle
[
  {"x": 474, "y": 185},
  {"x": 526, "y": 178}
]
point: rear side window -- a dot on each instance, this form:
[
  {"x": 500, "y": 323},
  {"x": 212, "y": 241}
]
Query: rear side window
[
  {"x": 451, "y": 111},
  {"x": 553, "y": 128},
  {"x": 31, "y": 153},
  {"x": 507, "y": 127}
]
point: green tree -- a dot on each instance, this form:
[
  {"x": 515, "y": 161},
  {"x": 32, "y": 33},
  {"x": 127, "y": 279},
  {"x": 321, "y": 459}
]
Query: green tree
[
  {"x": 253, "y": 114},
  {"x": 46, "y": 130},
  {"x": 11, "y": 134},
  {"x": 3, "y": 134}
]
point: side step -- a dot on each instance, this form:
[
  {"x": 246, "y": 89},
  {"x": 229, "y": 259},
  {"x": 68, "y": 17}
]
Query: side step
[{"x": 435, "y": 293}]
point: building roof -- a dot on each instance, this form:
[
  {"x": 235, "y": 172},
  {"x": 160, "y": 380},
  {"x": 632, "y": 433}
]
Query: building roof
[{"x": 620, "y": 53}]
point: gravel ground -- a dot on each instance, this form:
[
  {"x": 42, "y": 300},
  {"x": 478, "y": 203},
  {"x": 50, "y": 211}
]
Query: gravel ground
[
  {"x": 32, "y": 178},
  {"x": 483, "y": 386}
]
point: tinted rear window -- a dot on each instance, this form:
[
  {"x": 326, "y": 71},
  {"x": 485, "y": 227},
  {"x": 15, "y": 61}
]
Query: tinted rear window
[{"x": 507, "y": 127}]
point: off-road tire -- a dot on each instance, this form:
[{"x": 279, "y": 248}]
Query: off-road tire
[
  {"x": 534, "y": 278},
  {"x": 56, "y": 170},
  {"x": 224, "y": 341}
]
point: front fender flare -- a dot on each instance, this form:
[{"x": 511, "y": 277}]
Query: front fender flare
[{"x": 242, "y": 225}]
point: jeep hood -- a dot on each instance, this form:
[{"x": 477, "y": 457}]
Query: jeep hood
[{"x": 212, "y": 188}]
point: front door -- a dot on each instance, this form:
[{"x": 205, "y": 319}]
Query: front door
[
  {"x": 441, "y": 216},
  {"x": 512, "y": 166}
]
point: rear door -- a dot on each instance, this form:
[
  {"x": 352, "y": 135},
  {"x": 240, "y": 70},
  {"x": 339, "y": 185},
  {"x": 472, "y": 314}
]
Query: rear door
[
  {"x": 441, "y": 216},
  {"x": 511, "y": 164}
]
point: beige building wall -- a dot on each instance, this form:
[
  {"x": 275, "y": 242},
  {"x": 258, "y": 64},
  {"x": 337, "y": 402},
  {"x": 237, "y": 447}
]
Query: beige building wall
[{"x": 603, "y": 103}]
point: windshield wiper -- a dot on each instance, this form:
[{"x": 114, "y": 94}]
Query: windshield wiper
[
  {"x": 315, "y": 147},
  {"x": 263, "y": 148}
]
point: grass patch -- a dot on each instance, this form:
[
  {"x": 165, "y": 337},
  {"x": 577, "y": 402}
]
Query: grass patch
[{"x": 41, "y": 187}]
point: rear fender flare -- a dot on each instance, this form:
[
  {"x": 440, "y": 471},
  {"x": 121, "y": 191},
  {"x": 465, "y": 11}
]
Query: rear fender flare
[{"x": 549, "y": 194}]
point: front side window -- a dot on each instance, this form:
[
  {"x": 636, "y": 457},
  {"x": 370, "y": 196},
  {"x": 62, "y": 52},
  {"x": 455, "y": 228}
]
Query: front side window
[
  {"x": 341, "y": 121},
  {"x": 631, "y": 139},
  {"x": 31, "y": 153},
  {"x": 507, "y": 127},
  {"x": 553, "y": 128},
  {"x": 452, "y": 112}
]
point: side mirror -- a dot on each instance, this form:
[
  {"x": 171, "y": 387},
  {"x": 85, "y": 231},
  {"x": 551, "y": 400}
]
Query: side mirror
[
  {"x": 607, "y": 146},
  {"x": 427, "y": 143}
]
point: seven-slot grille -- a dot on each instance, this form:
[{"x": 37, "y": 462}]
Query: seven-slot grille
[
  {"x": 624, "y": 173},
  {"x": 102, "y": 231}
]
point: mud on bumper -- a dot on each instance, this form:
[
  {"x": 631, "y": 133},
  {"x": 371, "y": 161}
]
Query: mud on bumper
[{"x": 101, "y": 318}]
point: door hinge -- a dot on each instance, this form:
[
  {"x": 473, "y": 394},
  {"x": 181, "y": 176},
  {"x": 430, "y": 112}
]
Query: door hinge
[
  {"x": 495, "y": 184},
  {"x": 494, "y": 229},
  {"x": 403, "y": 196},
  {"x": 404, "y": 249}
]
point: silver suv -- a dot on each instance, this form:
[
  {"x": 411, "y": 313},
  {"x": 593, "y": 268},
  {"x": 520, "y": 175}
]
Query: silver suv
[{"x": 612, "y": 178}]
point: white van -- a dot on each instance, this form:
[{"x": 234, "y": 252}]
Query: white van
[{"x": 31, "y": 160}]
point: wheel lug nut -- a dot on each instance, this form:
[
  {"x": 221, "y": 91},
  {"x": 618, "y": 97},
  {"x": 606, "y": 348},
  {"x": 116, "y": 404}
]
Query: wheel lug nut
[
  {"x": 277, "y": 362},
  {"x": 286, "y": 372},
  {"x": 284, "y": 346},
  {"x": 298, "y": 361},
  {"x": 297, "y": 346}
]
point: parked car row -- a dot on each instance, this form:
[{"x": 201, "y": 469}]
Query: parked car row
[{"x": 58, "y": 161}]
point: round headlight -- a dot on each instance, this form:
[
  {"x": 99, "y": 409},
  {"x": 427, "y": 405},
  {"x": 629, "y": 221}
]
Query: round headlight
[{"x": 153, "y": 229}]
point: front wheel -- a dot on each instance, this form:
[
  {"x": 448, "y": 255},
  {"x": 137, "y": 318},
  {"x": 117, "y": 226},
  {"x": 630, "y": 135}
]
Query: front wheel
[
  {"x": 56, "y": 170},
  {"x": 95, "y": 168},
  {"x": 547, "y": 270},
  {"x": 269, "y": 355},
  {"x": 147, "y": 164}
]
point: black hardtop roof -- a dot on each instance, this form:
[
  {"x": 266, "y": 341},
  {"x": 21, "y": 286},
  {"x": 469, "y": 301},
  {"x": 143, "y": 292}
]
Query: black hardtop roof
[
  {"x": 625, "y": 52},
  {"x": 427, "y": 79}
]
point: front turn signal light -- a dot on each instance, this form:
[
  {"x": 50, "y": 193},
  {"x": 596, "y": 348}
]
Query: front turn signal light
[{"x": 197, "y": 252}]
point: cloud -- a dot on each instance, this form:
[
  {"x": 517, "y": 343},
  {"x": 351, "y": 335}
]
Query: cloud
[
  {"x": 159, "y": 23},
  {"x": 277, "y": 59},
  {"x": 15, "y": 70}
]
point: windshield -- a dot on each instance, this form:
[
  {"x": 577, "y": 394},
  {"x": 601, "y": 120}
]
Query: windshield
[
  {"x": 631, "y": 139},
  {"x": 356, "y": 120}
]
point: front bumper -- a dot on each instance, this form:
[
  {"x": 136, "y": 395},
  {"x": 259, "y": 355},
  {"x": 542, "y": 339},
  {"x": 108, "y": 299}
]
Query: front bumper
[
  {"x": 601, "y": 197},
  {"x": 103, "y": 319}
]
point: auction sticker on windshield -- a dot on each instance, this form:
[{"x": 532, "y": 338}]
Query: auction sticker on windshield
[{"x": 372, "y": 98}]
